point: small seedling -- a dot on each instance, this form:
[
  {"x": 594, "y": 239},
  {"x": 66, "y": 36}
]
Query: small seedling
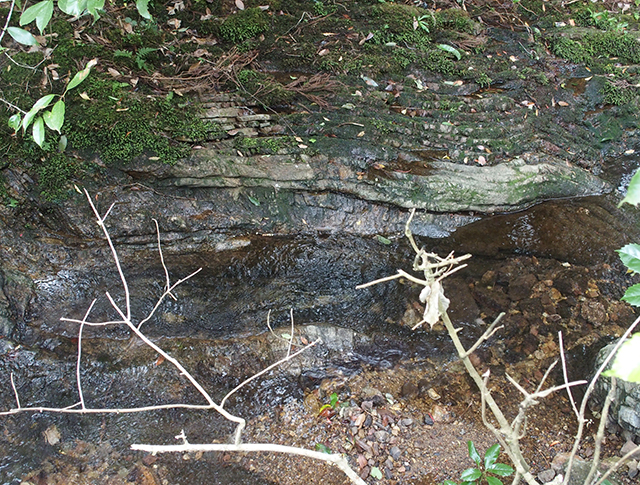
[
  {"x": 332, "y": 404},
  {"x": 473, "y": 476}
]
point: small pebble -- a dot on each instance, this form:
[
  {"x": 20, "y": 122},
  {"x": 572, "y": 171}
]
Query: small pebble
[
  {"x": 629, "y": 446},
  {"x": 428, "y": 420},
  {"x": 546, "y": 476},
  {"x": 395, "y": 452}
]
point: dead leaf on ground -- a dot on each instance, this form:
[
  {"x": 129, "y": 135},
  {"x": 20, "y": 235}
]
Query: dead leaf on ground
[
  {"x": 240, "y": 4},
  {"x": 51, "y": 435},
  {"x": 563, "y": 103}
]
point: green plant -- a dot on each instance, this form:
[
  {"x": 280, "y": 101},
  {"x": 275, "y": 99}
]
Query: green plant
[
  {"x": 626, "y": 365},
  {"x": 139, "y": 57},
  {"x": 421, "y": 22},
  {"x": 53, "y": 118},
  {"x": 471, "y": 476}
]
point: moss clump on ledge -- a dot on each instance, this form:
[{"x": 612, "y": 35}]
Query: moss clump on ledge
[
  {"x": 243, "y": 25},
  {"x": 590, "y": 48}
]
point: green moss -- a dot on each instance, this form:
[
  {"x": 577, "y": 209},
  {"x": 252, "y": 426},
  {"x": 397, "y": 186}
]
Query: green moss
[
  {"x": 55, "y": 173},
  {"x": 482, "y": 79},
  {"x": 570, "y": 49},
  {"x": 262, "y": 146},
  {"x": 617, "y": 95},
  {"x": 243, "y": 25},
  {"x": 454, "y": 19},
  {"x": 595, "y": 46},
  {"x": 440, "y": 62}
]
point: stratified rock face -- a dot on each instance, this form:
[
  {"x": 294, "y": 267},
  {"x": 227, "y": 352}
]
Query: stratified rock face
[{"x": 441, "y": 187}]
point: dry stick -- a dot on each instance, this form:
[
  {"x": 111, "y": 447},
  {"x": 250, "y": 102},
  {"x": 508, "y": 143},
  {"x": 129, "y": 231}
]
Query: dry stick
[
  {"x": 505, "y": 434},
  {"x": 617, "y": 465},
  {"x": 600, "y": 433},
  {"x": 167, "y": 292},
  {"x": 486, "y": 335},
  {"x": 6, "y": 24},
  {"x": 264, "y": 371},
  {"x": 587, "y": 394},
  {"x": 565, "y": 375},
  {"x": 335, "y": 459},
  {"x": 166, "y": 271},
  {"x": 15, "y": 391},
  {"x": 291, "y": 334},
  {"x": 241, "y": 423},
  {"x": 78, "y": 379}
]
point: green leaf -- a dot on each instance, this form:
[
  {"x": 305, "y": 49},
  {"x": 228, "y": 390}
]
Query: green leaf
[
  {"x": 322, "y": 448},
  {"x": 494, "y": 481},
  {"x": 38, "y": 131},
  {"x": 633, "y": 192},
  {"x": 22, "y": 36},
  {"x": 500, "y": 469},
  {"x": 630, "y": 256},
  {"x": 449, "y": 482},
  {"x": 473, "y": 453},
  {"x": 81, "y": 76},
  {"x": 383, "y": 240},
  {"x": 55, "y": 118},
  {"x": 632, "y": 295},
  {"x": 334, "y": 400},
  {"x": 254, "y": 201},
  {"x": 62, "y": 143},
  {"x": 470, "y": 475},
  {"x": 75, "y": 8},
  {"x": 626, "y": 364},
  {"x": 42, "y": 103},
  {"x": 376, "y": 473},
  {"x": 15, "y": 121},
  {"x": 450, "y": 50},
  {"x": 143, "y": 8},
  {"x": 41, "y": 12},
  {"x": 491, "y": 455},
  {"x": 93, "y": 6}
]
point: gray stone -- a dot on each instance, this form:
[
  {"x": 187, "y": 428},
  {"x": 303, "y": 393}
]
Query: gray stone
[
  {"x": 395, "y": 452},
  {"x": 628, "y": 447},
  {"x": 546, "y": 476}
]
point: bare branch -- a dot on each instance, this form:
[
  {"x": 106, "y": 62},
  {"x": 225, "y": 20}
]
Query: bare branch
[
  {"x": 291, "y": 334},
  {"x": 164, "y": 266},
  {"x": 335, "y": 459},
  {"x": 566, "y": 376},
  {"x": 166, "y": 293},
  {"x": 267, "y": 369},
  {"x": 587, "y": 395},
  {"x": 486, "y": 335},
  {"x": 114, "y": 254},
  {"x": 600, "y": 433},
  {"x": 617, "y": 465},
  {"x": 15, "y": 391}
]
